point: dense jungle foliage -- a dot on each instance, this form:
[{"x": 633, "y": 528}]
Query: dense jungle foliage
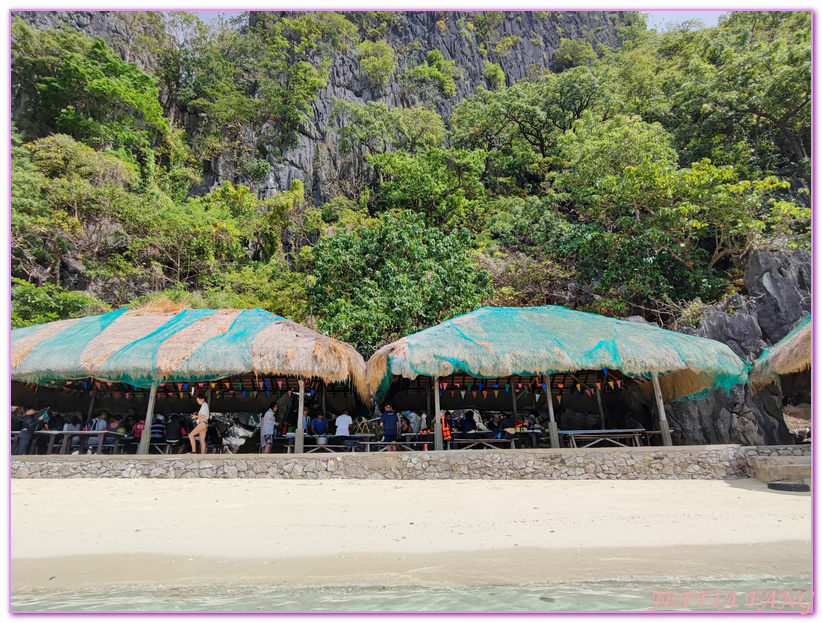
[{"x": 631, "y": 180}]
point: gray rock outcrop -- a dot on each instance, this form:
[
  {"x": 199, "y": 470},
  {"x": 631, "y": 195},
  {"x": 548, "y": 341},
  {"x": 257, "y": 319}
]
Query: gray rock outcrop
[{"x": 779, "y": 295}]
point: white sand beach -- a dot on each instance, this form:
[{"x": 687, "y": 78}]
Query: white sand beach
[{"x": 110, "y": 532}]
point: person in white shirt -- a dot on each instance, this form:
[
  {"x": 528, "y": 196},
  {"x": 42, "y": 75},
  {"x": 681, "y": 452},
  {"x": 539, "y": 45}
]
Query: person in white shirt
[
  {"x": 343, "y": 421},
  {"x": 267, "y": 428},
  {"x": 201, "y": 425}
]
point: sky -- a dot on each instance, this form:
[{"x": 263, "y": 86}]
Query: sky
[{"x": 660, "y": 20}]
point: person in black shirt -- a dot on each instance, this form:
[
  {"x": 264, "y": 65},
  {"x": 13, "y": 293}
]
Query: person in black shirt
[{"x": 175, "y": 432}]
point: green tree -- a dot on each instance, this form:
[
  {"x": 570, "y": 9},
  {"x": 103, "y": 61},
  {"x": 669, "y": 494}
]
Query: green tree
[
  {"x": 31, "y": 304},
  {"x": 440, "y": 183},
  {"x": 390, "y": 278},
  {"x": 378, "y": 62},
  {"x": 435, "y": 71},
  {"x": 573, "y": 53}
]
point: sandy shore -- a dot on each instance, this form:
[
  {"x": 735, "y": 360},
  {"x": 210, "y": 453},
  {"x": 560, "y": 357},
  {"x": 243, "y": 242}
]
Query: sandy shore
[{"x": 85, "y": 532}]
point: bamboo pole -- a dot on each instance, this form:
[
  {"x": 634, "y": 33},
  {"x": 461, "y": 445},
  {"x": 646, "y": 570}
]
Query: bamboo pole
[
  {"x": 514, "y": 399},
  {"x": 145, "y": 437},
  {"x": 665, "y": 433},
  {"x": 91, "y": 401},
  {"x": 438, "y": 425},
  {"x": 554, "y": 437},
  {"x": 429, "y": 419},
  {"x": 600, "y": 407},
  {"x": 298, "y": 431}
]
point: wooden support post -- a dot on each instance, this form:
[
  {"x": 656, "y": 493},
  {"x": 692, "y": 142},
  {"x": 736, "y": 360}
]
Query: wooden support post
[
  {"x": 323, "y": 399},
  {"x": 208, "y": 396},
  {"x": 91, "y": 401},
  {"x": 298, "y": 431},
  {"x": 600, "y": 408},
  {"x": 665, "y": 433},
  {"x": 429, "y": 418},
  {"x": 438, "y": 425},
  {"x": 145, "y": 437},
  {"x": 514, "y": 400},
  {"x": 554, "y": 438}
]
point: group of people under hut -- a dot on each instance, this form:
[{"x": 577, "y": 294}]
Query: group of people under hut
[{"x": 178, "y": 431}]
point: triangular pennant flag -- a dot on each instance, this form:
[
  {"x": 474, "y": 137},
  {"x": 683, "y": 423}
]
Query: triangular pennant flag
[
  {"x": 227, "y": 384},
  {"x": 457, "y": 384},
  {"x": 598, "y": 385},
  {"x": 588, "y": 392},
  {"x": 441, "y": 392},
  {"x": 558, "y": 398},
  {"x": 497, "y": 391},
  {"x": 578, "y": 388},
  {"x": 85, "y": 384},
  {"x": 484, "y": 393},
  {"x": 268, "y": 393},
  {"x": 452, "y": 392},
  {"x": 474, "y": 393},
  {"x": 605, "y": 371},
  {"x": 254, "y": 394},
  {"x": 560, "y": 385},
  {"x": 463, "y": 393},
  {"x": 495, "y": 385},
  {"x": 127, "y": 395},
  {"x": 480, "y": 387},
  {"x": 279, "y": 384},
  {"x": 536, "y": 396},
  {"x": 266, "y": 384},
  {"x": 527, "y": 393},
  {"x": 543, "y": 385},
  {"x": 520, "y": 386},
  {"x": 244, "y": 394},
  {"x": 611, "y": 384},
  {"x": 618, "y": 384},
  {"x": 289, "y": 392},
  {"x": 469, "y": 386},
  {"x": 578, "y": 393}
]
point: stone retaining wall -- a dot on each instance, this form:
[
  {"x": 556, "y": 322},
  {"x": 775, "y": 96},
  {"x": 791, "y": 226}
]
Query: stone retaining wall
[{"x": 683, "y": 462}]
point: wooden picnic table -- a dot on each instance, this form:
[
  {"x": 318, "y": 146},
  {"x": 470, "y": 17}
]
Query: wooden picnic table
[
  {"x": 68, "y": 435},
  {"x": 614, "y": 436}
]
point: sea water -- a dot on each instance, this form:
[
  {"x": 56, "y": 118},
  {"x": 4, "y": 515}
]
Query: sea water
[{"x": 742, "y": 593}]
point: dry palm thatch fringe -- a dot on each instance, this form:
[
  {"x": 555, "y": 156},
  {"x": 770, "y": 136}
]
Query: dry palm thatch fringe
[{"x": 790, "y": 355}]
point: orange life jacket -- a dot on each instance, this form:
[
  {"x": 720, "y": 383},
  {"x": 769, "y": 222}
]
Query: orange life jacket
[{"x": 447, "y": 431}]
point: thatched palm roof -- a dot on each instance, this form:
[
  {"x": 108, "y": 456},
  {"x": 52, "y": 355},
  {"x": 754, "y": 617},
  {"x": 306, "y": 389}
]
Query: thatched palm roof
[
  {"x": 503, "y": 341},
  {"x": 791, "y": 354},
  {"x": 139, "y": 347}
]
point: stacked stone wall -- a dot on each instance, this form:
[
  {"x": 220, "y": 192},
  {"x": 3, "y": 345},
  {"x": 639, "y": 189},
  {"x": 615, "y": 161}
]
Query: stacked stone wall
[{"x": 676, "y": 463}]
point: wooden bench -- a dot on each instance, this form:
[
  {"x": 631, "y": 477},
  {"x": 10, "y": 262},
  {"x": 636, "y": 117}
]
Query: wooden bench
[
  {"x": 382, "y": 446},
  {"x": 486, "y": 442}
]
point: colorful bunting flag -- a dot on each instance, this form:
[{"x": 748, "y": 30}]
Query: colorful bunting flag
[
  {"x": 598, "y": 385},
  {"x": 618, "y": 384},
  {"x": 497, "y": 391},
  {"x": 463, "y": 393},
  {"x": 484, "y": 393},
  {"x": 611, "y": 384},
  {"x": 474, "y": 393}
]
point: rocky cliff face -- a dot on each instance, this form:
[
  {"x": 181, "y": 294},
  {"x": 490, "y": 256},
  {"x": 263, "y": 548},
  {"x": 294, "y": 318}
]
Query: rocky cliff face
[
  {"x": 779, "y": 295},
  {"x": 521, "y": 42}
]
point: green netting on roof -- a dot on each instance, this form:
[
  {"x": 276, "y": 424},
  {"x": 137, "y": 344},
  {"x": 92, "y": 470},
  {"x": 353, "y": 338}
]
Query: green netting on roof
[
  {"x": 136, "y": 363},
  {"x": 227, "y": 353},
  {"x": 502, "y": 341},
  {"x": 141, "y": 347},
  {"x": 56, "y": 356},
  {"x": 790, "y": 355}
]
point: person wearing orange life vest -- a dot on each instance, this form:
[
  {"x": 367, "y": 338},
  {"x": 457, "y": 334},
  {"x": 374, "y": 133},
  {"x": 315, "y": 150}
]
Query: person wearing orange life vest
[{"x": 447, "y": 431}]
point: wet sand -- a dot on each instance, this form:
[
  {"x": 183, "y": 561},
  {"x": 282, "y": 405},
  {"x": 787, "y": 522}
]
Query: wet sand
[{"x": 108, "y": 532}]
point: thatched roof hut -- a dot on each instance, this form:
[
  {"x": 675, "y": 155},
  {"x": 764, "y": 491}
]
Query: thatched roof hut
[
  {"x": 138, "y": 348},
  {"x": 790, "y": 355},
  {"x": 494, "y": 342}
]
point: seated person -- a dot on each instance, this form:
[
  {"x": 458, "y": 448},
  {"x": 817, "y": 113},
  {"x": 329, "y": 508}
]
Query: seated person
[
  {"x": 213, "y": 436},
  {"x": 318, "y": 425},
  {"x": 507, "y": 430},
  {"x": 405, "y": 425},
  {"x": 467, "y": 425},
  {"x": 158, "y": 429},
  {"x": 175, "y": 432}
]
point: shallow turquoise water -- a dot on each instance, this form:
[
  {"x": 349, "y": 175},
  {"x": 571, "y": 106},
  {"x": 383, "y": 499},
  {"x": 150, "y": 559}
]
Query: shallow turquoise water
[{"x": 612, "y": 595}]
